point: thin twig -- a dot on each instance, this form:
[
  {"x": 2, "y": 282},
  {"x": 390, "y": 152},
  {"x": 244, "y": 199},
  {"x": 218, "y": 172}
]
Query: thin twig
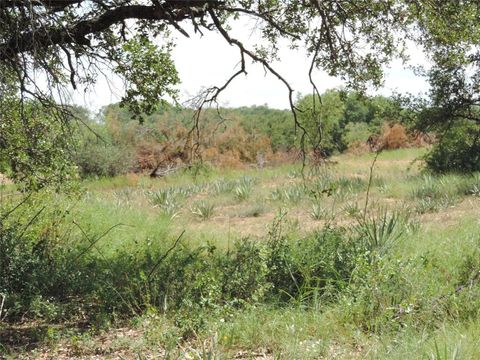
[
  {"x": 370, "y": 178},
  {"x": 24, "y": 200},
  {"x": 1, "y": 306},
  {"x": 165, "y": 255},
  {"x": 32, "y": 220},
  {"x": 93, "y": 242}
]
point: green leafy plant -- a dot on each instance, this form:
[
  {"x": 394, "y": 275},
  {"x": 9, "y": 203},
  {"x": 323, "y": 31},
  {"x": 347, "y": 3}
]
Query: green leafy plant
[
  {"x": 171, "y": 208},
  {"x": 159, "y": 197},
  {"x": 426, "y": 205},
  {"x": 472, "y": 185},
  {"x": 276, "y": 195},
  {"x": 221, "y": 186},
  {"x": 352, "y": 209},
  {"x": 458, "y": 149},
  {"x": 124, "y": 197},
  {"x": 151, "y": 73},
  {"x": 167, "y": 200},
  {"x": 293, "y": 194},
  {"x": 429, "y": 188}
]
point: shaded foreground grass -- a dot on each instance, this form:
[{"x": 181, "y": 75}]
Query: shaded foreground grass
[{"x": 284, "y": 266}]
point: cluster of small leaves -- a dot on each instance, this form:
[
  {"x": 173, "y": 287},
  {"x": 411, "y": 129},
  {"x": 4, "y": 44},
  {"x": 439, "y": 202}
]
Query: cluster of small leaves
[
  {"x": 34, "y": 144},
  {"x": 150, "y": 73}
]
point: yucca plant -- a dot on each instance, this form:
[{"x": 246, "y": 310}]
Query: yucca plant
[
  {"x": 426, "y": 205},
  {"x": 171, "y": 208},
  {"x": 341, "y": 193},
  {"x": 199, "y": 188},
  {"x": 167, "y": 200},
  {"x": 276, "y": 195},
  {"x": 242, "y": 192},
  {"x": 472, "y": 185},
  {"x": 353, "y": 184},
  {"x": 247, "y": 181},
  {"x": 324, "y": 181},
  {"x": 203, "y": 210},
  {"x": 293, "y": 194},
  {"x": 221, "y": 186},
  {"x": 124, "y": 197},
  {"x": 159, "y": 197},
  {"x": 318, "y": 212},
  {"x": 429, "y": 188},
  {"x": 182, "y": 192},
  {"x": 474, "y": 190},
  {"x": 352, "y": 209},
  {"x": 379, "y": 233}
]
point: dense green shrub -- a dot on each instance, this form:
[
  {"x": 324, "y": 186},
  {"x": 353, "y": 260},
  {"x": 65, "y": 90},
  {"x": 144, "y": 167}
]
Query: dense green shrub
[
  {"x": 37, "y": 267},
  {"x": 99, "y": 158},
  {"x": 320, "y": 117},
  {"x": 33, "y": 143},
  {"x": 320, "y": 264},
  {"x": 457, "y": 151}
]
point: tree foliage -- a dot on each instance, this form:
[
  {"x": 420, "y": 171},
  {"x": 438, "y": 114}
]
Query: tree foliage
[
  {"x": 70, "y": 36},
  {"x": 321, "y": 117},
  {"x": 150, "y": 72},
  {"x": 34, "y": 153},
  {"x": 451, "y": 36}
]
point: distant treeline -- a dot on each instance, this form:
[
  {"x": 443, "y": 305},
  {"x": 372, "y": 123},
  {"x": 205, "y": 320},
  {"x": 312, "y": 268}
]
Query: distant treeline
[{"x": 335, "y": 122}]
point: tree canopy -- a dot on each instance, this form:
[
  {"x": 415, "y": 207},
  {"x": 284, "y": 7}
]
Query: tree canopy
[
  {"x": 70, "y": 41},
  {"x": 452, "y": 38}
]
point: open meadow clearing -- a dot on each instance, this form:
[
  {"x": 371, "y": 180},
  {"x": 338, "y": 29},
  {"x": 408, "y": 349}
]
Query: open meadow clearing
[{"x": 273, "y": 263}]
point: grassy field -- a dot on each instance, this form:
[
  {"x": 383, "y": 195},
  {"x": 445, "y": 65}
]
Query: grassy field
[{"x": 274, "y": 263}]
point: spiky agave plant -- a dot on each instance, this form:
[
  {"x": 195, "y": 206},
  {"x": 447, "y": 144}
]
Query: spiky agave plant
[
  {"x": 318, "y": 212},
  {"x": 242, "y": 192},
  {"x": 379, "y": 233},
  {"x": 203, "y": 210}
]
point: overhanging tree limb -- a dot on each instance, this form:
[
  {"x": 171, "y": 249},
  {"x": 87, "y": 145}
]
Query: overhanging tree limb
[{"x": 77, "y": 34}]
